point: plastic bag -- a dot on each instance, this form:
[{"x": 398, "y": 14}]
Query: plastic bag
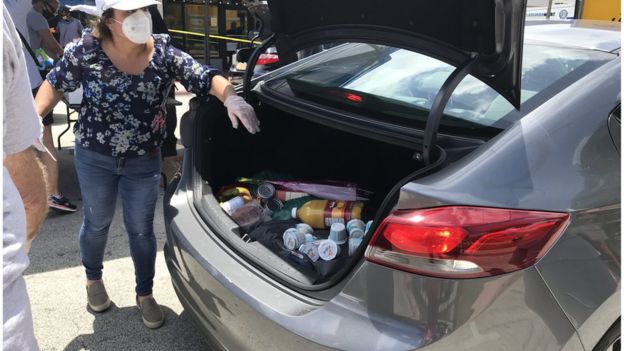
[{"x": 330, "y": 190}]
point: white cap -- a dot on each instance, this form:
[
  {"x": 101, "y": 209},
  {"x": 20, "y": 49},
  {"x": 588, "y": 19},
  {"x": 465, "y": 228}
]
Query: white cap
[
  {"x": 293, "y": 212},
  {"x": 103, "y": 5}
]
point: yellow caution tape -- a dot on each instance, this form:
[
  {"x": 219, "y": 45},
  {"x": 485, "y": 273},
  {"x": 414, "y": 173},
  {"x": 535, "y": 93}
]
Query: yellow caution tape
[{"x": 215, "y": 36}]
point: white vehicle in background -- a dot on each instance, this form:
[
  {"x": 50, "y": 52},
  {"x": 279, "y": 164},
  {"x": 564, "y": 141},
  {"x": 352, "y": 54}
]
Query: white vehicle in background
[{"x": 560, "y": 10}]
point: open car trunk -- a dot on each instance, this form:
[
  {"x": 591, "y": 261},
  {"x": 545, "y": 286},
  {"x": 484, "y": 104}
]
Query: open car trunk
[{"x": 299, "y": 149}]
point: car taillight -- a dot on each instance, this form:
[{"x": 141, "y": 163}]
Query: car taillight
[
  {"x": 265, "y": 59},
  {"x": 464, "y": 242}
]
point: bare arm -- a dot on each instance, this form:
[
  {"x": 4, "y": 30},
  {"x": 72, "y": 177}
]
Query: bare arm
[
  {"x": 50, "y": 45},
  {"x": 47, "y": 97},
  {"x": 28, "y": 176},
  {"x": 221, "y": 88}
]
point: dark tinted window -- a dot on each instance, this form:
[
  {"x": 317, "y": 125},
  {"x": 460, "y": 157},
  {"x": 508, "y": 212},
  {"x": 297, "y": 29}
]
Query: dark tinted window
[{"x": 399, "y": 86}]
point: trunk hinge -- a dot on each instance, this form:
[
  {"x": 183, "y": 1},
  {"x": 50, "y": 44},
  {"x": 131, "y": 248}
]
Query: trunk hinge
[
  {"x": 251, "y": 64},
  {"x": 439, "y": 104}
]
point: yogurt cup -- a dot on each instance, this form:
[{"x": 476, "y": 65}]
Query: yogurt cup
[
  {"x": 368, "y": 226},
  {"x": 355, "y": 223},
  {"x": 354, "y": 243},
  {"x": 356, "y": 233},
  {"x": 309, "y": 238},
  {"x": 328, "y": 250},
  {"x": 311, "y": 250},
  {"x": 338, "y": 233},
  {"x": 305, "y": 228},
  {"x": 293, "y": 238}
]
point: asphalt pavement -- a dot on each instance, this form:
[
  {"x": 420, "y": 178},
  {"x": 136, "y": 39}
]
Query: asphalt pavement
[{"x": 56, "y": 280}]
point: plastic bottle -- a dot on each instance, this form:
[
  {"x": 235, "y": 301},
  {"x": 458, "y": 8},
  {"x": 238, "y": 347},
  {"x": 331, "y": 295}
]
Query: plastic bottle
[
  {"x": 321, "y": 214},
  {"x": 233, "y": 204},
  {"x": 285, "y": 212}
]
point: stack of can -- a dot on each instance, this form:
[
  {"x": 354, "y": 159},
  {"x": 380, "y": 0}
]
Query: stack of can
[{"x": 266, "y": 197}]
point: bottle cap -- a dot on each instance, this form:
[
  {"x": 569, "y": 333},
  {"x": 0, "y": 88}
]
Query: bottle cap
[{"x": 293, "y": 212}]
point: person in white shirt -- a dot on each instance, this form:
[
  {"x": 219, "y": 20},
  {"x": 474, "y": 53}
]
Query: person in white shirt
[{"x": 24, "y": 193}]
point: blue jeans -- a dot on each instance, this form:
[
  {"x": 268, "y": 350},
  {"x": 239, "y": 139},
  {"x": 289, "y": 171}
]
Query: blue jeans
[{"x": 136, "y": 180}]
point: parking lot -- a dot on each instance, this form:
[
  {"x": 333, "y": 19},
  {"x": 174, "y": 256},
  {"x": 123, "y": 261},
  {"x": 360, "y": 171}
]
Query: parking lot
[
  {"x": 429, "y": 176},
  {"x": 55, "y": 281}
]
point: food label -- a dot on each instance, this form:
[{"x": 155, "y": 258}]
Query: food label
[
  {"x": 285, "y": 195},
  {"x": 338, "y": 212}
]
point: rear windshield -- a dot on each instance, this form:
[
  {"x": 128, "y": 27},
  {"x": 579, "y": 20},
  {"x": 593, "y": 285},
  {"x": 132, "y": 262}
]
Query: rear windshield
[{"x": 399, "y": 86}]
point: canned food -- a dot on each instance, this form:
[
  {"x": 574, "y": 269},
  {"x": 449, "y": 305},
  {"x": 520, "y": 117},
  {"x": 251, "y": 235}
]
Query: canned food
[
  {"x": 266, "y": 191},
  {"x": 274, "y": 205}
]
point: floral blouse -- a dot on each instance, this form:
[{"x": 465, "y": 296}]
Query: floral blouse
[{"x": 123, "y": 115}]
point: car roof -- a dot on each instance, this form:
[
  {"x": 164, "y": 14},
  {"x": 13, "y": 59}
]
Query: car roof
[{"x": 586, "y": 34}]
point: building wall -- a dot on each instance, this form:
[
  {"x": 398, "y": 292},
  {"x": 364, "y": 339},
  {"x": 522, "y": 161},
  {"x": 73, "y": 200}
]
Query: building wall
[{"x": 190, "y": 21}]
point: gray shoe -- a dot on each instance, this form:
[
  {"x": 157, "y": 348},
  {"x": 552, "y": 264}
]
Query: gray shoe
[
  {"x": 153, "y": 316},
  {"x": 97, "y": 298}
]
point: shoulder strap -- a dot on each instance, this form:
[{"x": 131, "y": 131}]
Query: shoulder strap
[{"x": 30, "y": 51}]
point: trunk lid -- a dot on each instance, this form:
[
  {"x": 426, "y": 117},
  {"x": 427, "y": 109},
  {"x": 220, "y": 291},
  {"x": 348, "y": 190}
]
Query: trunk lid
[{"x": 488, "y": 32}]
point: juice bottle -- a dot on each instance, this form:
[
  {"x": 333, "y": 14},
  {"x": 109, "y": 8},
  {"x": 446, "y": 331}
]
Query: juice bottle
[{"x": 320, "y": 214}]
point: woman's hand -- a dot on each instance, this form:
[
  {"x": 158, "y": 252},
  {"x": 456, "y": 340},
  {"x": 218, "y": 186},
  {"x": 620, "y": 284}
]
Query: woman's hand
[{"x": 239, "y": 109}]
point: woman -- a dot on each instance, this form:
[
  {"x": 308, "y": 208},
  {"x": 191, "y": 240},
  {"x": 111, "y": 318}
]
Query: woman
[{"x": 126, "y": 73}]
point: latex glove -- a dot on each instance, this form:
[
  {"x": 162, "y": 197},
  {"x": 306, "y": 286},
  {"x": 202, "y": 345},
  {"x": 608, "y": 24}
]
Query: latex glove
[{"x": 239, "y": 109}]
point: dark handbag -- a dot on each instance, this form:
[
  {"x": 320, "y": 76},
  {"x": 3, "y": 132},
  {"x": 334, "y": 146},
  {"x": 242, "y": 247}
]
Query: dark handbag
[{"x": 42, "y": 72}]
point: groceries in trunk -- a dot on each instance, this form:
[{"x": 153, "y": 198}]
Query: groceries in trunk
[{"x": 307, "y": 223}]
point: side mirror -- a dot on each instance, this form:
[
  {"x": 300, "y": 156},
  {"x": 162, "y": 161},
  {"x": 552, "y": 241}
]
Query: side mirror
[{"x": 242, "y": 55}]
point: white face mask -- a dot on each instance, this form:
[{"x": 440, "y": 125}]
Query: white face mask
[{"x": 137, "y": 27}]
